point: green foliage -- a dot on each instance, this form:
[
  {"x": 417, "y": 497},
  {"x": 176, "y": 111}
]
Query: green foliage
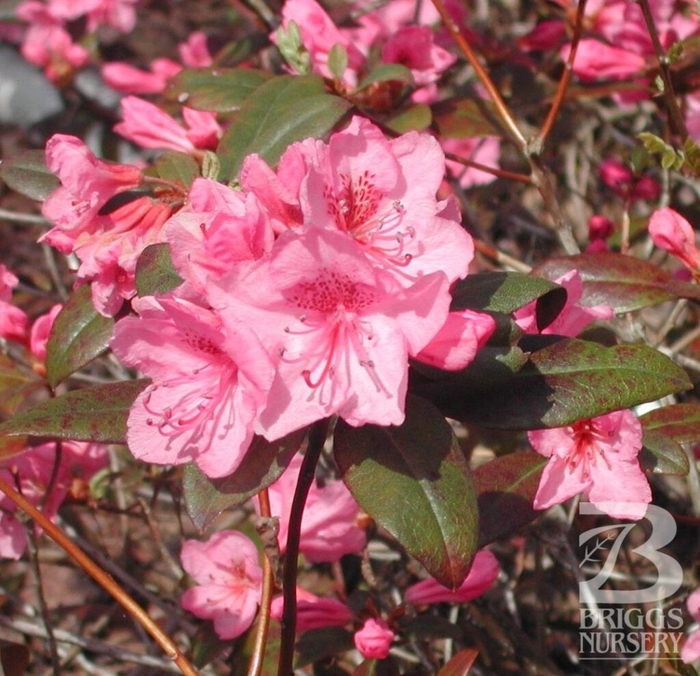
[
  {"x": 28, "y": 174},
  {"x": 155, "y": 272},
  {"x": 79, "y": 334},
  {"x": 414, "y": 481}
]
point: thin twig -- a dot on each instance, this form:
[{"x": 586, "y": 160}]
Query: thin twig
[
  {"x": 103, "y": 579},
  {"x": 16, "y": 217},
  {"x": 499, "y": 173},
  {"x": 317, "y": 438},
  {"x": 268, "y": 587},
  {"x": 500, "y": 257}
]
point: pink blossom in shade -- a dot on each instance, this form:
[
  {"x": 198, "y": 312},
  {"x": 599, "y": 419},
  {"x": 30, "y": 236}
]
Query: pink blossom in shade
[
  {"x": 14, "y": 322},
  {"x": 86, "y": 185},
  {"x": 194, "y": 52},
  {"x": 341, "y": 330},
  {"x": 596, "y": 60},
  {"x": 125, "y": 78},
  {"x": 383, "y": 195},
  {"x": 573, "y": 318},
  {"x": 109, "y": 251},
  {"x": 691, "y": 648},
  {"x": 39, "y": 334},
  {"x": 600, "y": 227},
  {"x": 597, "y": 457},
  {"x": 145, "y": 124},
  {"x": 671, "y": 232},
  {"x": 455, "y": 345},
  {"x": 484, "y": 150},
  {"x": 329, "y": 527},
  {"x": 33, "y": 470},
  {"x": 229, "y": 581},
  {"x": 482, "y": 575},
  {"x": 217, "y": 229},
  {"x": 209, "y": 383},
  {"x": 314, "y": 612},
  {"x": 319, "y": 34},
  {"x": 374, "y": 639}
]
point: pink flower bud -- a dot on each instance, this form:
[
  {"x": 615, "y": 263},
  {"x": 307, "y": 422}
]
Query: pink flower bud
[{"x": 374, "y": 639}]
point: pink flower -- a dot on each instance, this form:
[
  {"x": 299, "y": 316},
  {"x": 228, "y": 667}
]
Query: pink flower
[
  {"x": 374, "y": 639},
  {"x": 572, "y": 319},
  {"x": 39, "y": 334},
  {"x": 484, "y": 150},
  {"x": 86, "y": 185},
  {"x": 218, "y": 229},
  {"x": 671, "y": 232},
  {"x": 150, "y": 127},
  {"x": 596, "y": 60},
  {"x": 229, "y": 581},
  {"x": 209, "y": 384},
  {"x": 383, "y": 195},
  {"x": 130, "y": 80},
  {"x": 314, "y": 612},
  {"x": 13, "y": 321},
  {"x": 691, "y": 648},
  {"x": 340, "y": 329},
  {"x": 597, "y": 457},
  {"x": 482, "y": 575},
  {"x": 329, "y": 525}
]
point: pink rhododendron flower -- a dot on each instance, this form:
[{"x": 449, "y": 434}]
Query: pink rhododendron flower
[
  {"x": 484, "y": 150},
  {"x": 572, "y": 319},
  {"x": 314, "y": 612},
  {"x": 33, "y": 471},
  {"x": 216, "y": 230},
  {"x": 341, "y": 330},
  {"x": 597, "y": 457},
  {"x": 619, "y": 178},
  {"x": 383, "y": 194},
  {"x": 203, "y": 401},
  {"x": 229, "y": 581},
  {"x": 86, "y": 185},
  {"x": 374, "y": 639},
  {"x": 482, "y": 575},
  {"x": 125, "y": 78},
  {"x": 329, "y": 527},
  {"x": 691, "y": 648},
  {"x": 671, "y": 232},
  {"x": 13, "y": 321},
  {"x": 145, "y": 124},
  {"x": 39, "y": 334}
]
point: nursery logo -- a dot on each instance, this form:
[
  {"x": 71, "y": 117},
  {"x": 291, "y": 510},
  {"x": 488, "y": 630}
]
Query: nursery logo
[{"x": 614, "y": 624}]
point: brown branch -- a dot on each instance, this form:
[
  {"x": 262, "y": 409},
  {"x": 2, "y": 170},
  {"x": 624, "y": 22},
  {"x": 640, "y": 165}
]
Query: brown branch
[
  {"x": 103, "y": 579},
  {"x": 500, "y": 173}
]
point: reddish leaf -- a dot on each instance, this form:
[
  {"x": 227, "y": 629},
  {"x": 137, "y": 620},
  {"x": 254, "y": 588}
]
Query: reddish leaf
[
  {"x": 465, "y": 118},
  {"x": 93, "y": 414},
  {"x": 460, "y": 664},
  {"x": 155, "y": 272},
  {"x": 78, "y": 335},
  {"x": 665, "y": 429},
  {"x": 16, "y": 386},
  {"x": 414, "y": 481}
]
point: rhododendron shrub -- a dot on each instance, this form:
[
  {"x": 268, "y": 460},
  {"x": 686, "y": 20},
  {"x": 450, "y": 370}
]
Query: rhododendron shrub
[{"x": 286, "y": 355}]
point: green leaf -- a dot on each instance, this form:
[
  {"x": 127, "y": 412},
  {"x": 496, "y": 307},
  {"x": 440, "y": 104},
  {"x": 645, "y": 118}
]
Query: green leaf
[
  {"x": 94, "y": 414},
  {"x": 78, "y": 335},
  {"x": 465, "y": 118},
  {"x": 565, "y": 381},
  {"x": 262, "y": 464},
  {"x": 624, "y": 282},
  {"x": 175, "y": 167},
  {"x": 506, "y": 292},
  {"x": 413, "y": 480},
  {"x": 665, "y": 429},
  {"x": 155, "y": 272},
  {"x": 284, "y": 110},
  {"x": 506, "y": 487},
  {"x": 337, "y": 61},
  {"x": 460, "y": 664},
  {"x": 386, "y": 72},
  {"x": 219, "y": 90},
  {"x": 16, "y": 385},
  {"x": 316, "y": 645},
  {"x": 28, "y": 174},
  {"x": 416, "y": 117}
]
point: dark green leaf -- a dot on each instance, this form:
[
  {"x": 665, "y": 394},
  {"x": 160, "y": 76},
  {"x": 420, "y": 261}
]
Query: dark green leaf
[
  {"x": 465, "y": 118},
  {"x": 318, "y": 644},
  {"x": 415, "y": 118},
  {"x": 386, "y": 72},
  {"x": 414, "y": 481},
  {"x": 94, "y": 414},
  {"x": 564, "y": 381},
  {"x": 219, "y": 90},
  {"x": 28, "y": 174},
  {"x": 665, "y": 429},
  {"x": 176, "y": 167},
  {"x": 155, "y": 272},
  {"x": 624, "y": 282},
  {"x": 78, "y": 335},
  {"x": 16, "y": 385},
  {"x": 264, "y": 462},
  {"x": 506, "y": 487},
  {"x": 460, "y": 664},
  {"x": 506, "y": 292},
  {"x": 284, "y": 110}
]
